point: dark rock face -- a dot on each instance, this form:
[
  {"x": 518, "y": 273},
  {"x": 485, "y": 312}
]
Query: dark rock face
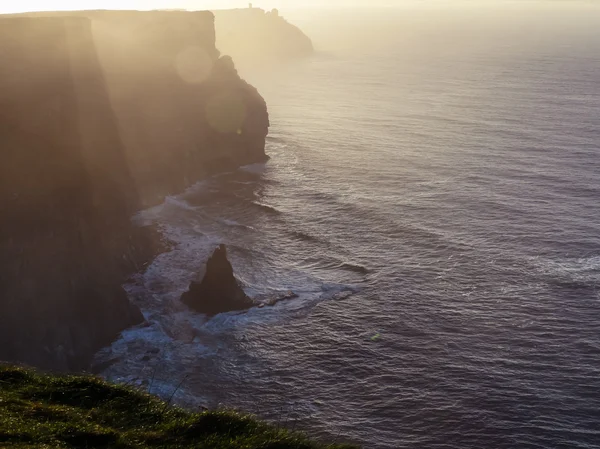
[
  {"x": 180, "y": 111},
  {"x": 102, "y": 113},
  {"x": 219, "y": 290}
]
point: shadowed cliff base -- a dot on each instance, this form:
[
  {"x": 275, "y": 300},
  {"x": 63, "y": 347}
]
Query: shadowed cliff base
[
  {"x": 102, "y": 113},
  {"x": 64, "y": 203}
]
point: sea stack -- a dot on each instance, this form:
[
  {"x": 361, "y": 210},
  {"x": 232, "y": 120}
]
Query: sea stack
[
  {"x": 218, "y": 291},
  {"x": 103, "y": 113}
]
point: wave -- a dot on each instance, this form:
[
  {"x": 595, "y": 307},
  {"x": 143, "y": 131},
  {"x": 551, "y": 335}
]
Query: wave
[
  {"x": 355, "y": 268},
  {"x": 233, "y": 223},
  {"x": 256, "y": 169},
  {"x": 276, "y": 139},
  {"x": 178, "y": 202},
  {"x": 304, "y": 237},
  {"x": 574, "y": 272},
  {"x": 266, "y": 208},
  {"x": 240, "y": 249},
  {"x": 338, "y": 291}
]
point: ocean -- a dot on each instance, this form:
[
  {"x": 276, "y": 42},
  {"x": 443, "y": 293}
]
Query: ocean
[{"x": 433, "y": 196}]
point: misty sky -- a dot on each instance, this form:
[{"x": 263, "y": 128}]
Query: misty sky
[
  {"x": 43, "y": 5},
  {"x": 32, "y": 5}
]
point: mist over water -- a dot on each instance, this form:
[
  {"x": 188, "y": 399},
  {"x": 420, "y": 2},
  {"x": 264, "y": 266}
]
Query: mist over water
[{"x": 444, "y": 168}]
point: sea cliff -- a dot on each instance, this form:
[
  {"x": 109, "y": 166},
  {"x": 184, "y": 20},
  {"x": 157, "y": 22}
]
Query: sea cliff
[
  {"x": 102, "y": 113},
  {"x": 254, "y": 36}
]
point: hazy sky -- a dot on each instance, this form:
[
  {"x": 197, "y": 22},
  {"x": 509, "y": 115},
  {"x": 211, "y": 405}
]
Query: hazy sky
[
  {"x": 33, "y": 5},
  {"x": 41, "y": 5}
]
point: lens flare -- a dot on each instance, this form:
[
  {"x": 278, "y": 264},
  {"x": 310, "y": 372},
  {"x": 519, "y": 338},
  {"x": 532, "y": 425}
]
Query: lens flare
[{"x": 193, "y": 65}]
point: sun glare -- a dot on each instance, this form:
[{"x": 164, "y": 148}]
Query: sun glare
[{"x": 67, "y": 5}]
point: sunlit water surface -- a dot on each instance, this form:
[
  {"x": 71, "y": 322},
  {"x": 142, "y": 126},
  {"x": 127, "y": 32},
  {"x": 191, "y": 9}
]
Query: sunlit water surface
[{"x": 445, "y": 170}]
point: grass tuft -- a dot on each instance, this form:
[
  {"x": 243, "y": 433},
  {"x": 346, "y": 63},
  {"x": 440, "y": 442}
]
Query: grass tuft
[
  {"x": 14, "y": 376},
  {"x": 44, "y": 411}
]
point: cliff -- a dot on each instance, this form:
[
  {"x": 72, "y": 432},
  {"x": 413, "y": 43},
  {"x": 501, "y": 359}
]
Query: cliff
[
  {"x": 102, "y": 113},
  {"x": 255, "y": 36}
]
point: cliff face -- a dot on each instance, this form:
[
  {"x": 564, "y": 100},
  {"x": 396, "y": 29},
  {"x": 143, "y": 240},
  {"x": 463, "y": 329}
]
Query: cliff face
[
  {"x": 255, "y": 36},
  {"x": 102, "y": 113}
]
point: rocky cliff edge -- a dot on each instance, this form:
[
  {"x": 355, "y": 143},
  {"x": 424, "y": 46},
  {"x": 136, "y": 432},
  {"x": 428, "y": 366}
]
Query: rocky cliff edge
[{"x": 102, "y": 113}]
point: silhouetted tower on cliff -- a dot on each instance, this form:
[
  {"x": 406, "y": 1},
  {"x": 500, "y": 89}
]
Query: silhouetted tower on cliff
[{"x": 275, "y": 12}]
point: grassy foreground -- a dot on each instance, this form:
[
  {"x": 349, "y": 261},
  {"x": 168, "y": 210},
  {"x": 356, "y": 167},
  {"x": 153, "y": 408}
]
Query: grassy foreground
[{"x": 45, "y": 411}]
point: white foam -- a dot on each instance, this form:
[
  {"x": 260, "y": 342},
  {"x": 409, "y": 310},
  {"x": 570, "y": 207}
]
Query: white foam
[
  {"x": 174, "y": 338},
  {"x": 178, "y": 202},
  {"x": 147, "y": 216},
  {"x": 586, "y": 269},
  {"x": 257, "y": 169},
  {"x": 233, "y": 223}
]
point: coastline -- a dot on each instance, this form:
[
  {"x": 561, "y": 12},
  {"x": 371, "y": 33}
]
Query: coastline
[{"x": 118, "y": 139}]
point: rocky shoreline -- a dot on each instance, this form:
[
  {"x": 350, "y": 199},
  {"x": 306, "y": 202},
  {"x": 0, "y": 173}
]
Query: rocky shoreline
[{"x": 103, "y": 113}]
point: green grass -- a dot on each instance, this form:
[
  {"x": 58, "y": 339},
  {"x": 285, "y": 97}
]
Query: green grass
[{"x": 46, "y": 411}]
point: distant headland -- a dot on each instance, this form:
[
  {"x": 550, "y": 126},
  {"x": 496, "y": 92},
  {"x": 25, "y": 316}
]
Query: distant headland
[{"x": 255, "y": 35}]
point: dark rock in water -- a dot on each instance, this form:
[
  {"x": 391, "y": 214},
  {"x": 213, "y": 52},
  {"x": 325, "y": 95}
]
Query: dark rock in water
[
  {"x": 219, "y": 290},
  {"x": 103, "y": 113}
]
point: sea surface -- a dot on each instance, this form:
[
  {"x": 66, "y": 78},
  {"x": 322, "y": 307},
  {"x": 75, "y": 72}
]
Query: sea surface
[{"x": 433, "y": 196}]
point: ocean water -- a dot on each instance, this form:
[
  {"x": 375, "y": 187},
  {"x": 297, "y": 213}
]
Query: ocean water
[{"x": 433, "y": 195}]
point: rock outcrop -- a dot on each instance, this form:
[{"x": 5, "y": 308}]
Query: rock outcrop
[
  {"x": 255, "y": 36},
  {"x": 219, "y": 290},
  {"x": 102, "y": 113}
]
